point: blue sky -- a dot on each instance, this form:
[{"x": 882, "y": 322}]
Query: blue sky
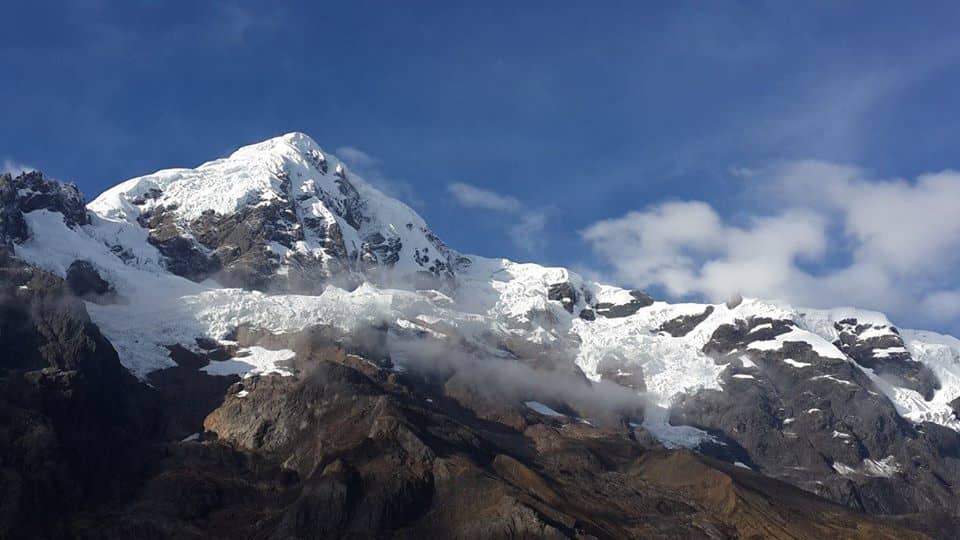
[{"x": 585, "y": 120}]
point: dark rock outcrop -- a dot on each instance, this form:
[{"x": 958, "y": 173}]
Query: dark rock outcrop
[
  {"x": 85, "y": 282},
  {"x": 639, "y": 301},
  {"x": 13, "y": 228},
  {"x": 32, "y": 191},
  {"x": 564, "y": 293},
  {"x": 37, "y": 192},
  {"x": 883, "y": 351},
  {"x": 182, "y": 255},
  {"x": 369, "y": 453},
  {"x": 75, "y": 427},
  {"x": 684, "y": 324},
  {"x": 261, "y": 246},
  {"x": 820, "y": 423},
  {"x": 955, "y": 406}
]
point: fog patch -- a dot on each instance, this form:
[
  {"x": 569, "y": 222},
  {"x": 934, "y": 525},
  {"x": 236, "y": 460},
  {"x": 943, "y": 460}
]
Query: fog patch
[{"x": 557, "y": 385}]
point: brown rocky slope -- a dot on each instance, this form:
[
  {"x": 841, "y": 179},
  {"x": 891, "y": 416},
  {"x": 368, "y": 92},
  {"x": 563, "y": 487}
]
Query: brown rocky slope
[{"x": 352, "y": 449}]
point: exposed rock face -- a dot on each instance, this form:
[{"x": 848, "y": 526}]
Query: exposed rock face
[
  {"x": 565, "y": 294},
  {"x": 183, "y": 418},
  {"x": 298, "y": 226},
  {"x": 611, "y": 311},
  {"x": 369, "y": 453},
  {"x": 183, "y": 256},
  {"x": 682, "y": 326},
  {"x": 84, "y": 281},
  {"x": 36, "y": 192},
  {"x": 803, "y": 417},
  {"x": 12, "y": 226},
  {"x": 75, "y": 425},
  {"x": 32, "y": 191},
  {"x": 882, "y": 350},
  {"x": 247, "y": 248}
]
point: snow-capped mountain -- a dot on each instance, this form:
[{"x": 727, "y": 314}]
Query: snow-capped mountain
[
  {"x": 285, "y": 207},
  {"x": 226, "y": 261},
  {"x": 281, "y": 214}
]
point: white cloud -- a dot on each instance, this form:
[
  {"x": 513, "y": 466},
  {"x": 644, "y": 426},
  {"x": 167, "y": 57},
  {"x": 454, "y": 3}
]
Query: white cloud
[
  {"x": 526, "y": 229},
  {"x": 356, "y": 157},
  {"x": 688, "y": 249},
  {"x": 892, "y": 245},
  {"x": 474, "y": 197},
  {"x": 528, "y": 232},
  {"x": 902, "y": 225},
  {"x": 369, "y": 168},
  {"x": 14, "y": 168}
]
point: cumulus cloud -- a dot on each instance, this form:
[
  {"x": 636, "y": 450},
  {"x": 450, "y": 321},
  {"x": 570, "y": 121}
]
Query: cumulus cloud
[
  {"x": 822, "y": 234},
  {"x": 908, "y": 227},
  {"x": 474, "y": 197},
  {"x": 687, "y": 248}
]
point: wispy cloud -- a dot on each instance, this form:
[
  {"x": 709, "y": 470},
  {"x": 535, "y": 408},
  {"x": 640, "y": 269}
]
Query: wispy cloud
[
  {"x": 528, "y": 233},
  {"x": 474, "y": 197},
  {"x": 827, "y": 112},
  {"x": 370, "y": 169},
  {"x": 14, "y": 167},
  {"x": 356, "y": 157},
  {"x": 231, "y": 23},
  {"x": 526, "y": 227}
]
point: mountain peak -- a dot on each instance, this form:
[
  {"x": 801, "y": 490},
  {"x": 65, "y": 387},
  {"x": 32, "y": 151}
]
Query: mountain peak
[
  {"x": 279, "y": 213},
  {"x": 223, "y": 185},
  {"x": 294, "y": 142}
]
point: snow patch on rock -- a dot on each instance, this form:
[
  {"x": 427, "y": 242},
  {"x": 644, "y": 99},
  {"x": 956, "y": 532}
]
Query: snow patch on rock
[
  {"x": 252, "y": 361},
  {"x": 540, "y": 408}
]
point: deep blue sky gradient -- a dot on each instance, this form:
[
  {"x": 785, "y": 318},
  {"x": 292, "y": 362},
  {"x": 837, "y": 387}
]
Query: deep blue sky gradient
[{"x": 582, "y": 110}]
